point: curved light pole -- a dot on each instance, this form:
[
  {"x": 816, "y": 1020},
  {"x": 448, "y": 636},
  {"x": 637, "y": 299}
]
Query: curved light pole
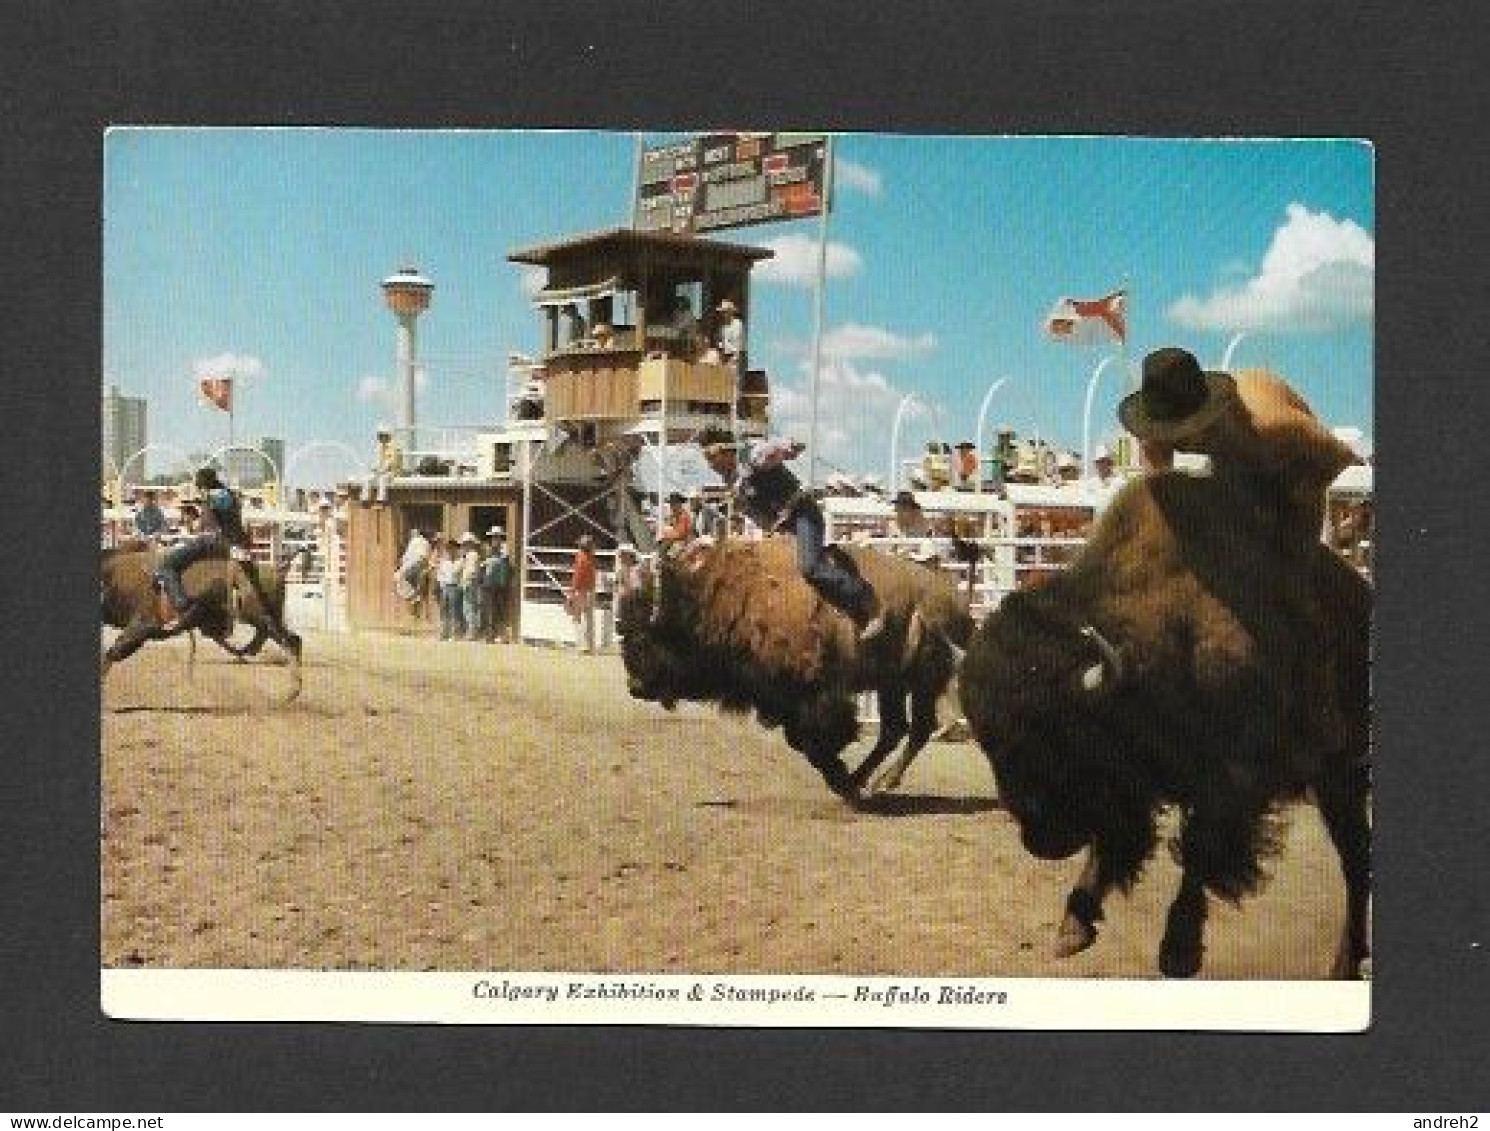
[
  {"x": 978, "y": 434},
  {"x": 265, "y": 456},
  {"x": 1086, "y": 414},
  {"x": 893, "y": 483},
  {"x": 124, "y": 467},
  {"x": 1236, "y": 340}
]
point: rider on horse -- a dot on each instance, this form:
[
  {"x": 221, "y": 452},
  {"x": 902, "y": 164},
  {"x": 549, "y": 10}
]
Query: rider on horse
[{"x": 219, "y": 531}]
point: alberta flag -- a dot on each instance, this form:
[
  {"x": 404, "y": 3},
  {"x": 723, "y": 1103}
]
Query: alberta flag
[
  {"x": 217, "y": 391},
  {"x": 1089, "y": 322}
]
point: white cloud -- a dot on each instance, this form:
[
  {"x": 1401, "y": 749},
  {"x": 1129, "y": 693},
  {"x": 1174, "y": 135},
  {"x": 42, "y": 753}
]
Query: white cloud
[
  {"x": 532, "y": 280},
  {"x": 852, "y": 340},
  {"x": 372, "y": 389},
  {"x": 1318, "y": 274},
  {"x": 858, "y": 178},
  {"x": 387, "y": 393},
  {"x": 795, "y": 263},
  {"x": 245, "y": 367},
  {"x": 856, "y": 407}
]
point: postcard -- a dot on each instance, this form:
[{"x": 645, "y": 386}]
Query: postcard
[{"x": 765, "y": 579}]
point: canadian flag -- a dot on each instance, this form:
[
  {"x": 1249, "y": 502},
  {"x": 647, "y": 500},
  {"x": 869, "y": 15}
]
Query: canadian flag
[
  {"x": 217, "y": 391},
  {"x": 1088, "y": 322}
]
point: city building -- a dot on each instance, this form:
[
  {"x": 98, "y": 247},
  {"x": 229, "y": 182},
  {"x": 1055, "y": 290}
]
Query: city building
[
  {"x": 123, "y": 433},
  {"x": 244, "y": 469}
]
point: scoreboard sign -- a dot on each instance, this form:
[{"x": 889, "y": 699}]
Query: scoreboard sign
[{"x": 731, "y": 181}]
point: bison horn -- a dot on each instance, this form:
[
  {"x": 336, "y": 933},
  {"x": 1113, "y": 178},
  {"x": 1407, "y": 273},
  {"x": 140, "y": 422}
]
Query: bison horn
[
  {"x": 958, "y": 654},
  {"x": 1093, "y": 677}
]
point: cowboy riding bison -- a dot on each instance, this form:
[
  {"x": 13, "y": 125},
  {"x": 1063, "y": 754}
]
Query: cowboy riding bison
[
  {"x": 199, "y": 585},
  {"x": 1204, "y": 651},
  {"x": 735, "y": 624}
]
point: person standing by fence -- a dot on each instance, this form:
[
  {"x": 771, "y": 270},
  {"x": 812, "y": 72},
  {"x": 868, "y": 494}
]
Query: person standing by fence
[
  {"x": 581, "y": 596},
  {"x": 496, "y": 577},
  {"x": 447, "y": 578},
  {"x": 150, "y": 520},
  {"x": 470, "y": 585}
]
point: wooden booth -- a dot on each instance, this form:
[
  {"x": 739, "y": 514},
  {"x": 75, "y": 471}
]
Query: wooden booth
[{"x": 377, "y": 534}]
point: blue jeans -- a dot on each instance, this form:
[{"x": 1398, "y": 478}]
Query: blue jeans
[
  {"x": 838, "y": 586},
  {"x": 450, "y": 624},
  {"x": 174, "y": 562},
  {"x": 471, "y": 609}
]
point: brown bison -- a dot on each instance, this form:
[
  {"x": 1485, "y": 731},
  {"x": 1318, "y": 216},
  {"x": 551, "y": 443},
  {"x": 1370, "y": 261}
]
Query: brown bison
[
  {"x": 1161, "y": 669},
  {"x": 736, "y": 625},
  {"x": 225, "y": 592}
]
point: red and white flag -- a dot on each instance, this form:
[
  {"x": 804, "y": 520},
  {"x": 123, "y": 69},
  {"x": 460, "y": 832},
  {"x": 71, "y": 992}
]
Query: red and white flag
[
  {"x": 1089, "y": 322},
  {"x": 217, "y": 391}
]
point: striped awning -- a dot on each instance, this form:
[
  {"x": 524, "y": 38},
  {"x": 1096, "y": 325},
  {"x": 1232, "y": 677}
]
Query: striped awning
[{"x": 560, "y": 296}]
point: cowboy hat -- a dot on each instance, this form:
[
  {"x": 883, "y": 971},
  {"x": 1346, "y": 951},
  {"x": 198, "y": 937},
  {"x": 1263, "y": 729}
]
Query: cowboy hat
[
  {"x": 926, "y": 551},
  {"x": 494, "y": 532},
  {"x": 1177, "y": 398},
  {"x": 728, "y": 306},
  {"x": 467, "y": 537},
  {"x": 905, "y": 499},
  {"x": 676, "y": 497},
  {"x": 626, "y": 548}
]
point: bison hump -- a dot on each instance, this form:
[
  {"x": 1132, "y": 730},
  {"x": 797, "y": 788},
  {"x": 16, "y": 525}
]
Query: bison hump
[{"x": 754, "y": 603}]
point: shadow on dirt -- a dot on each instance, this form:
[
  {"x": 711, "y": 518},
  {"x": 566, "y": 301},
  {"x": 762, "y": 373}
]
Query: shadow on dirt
[
  {"x": 918, "y": 805},
  {"x": 169, "y": 709}
]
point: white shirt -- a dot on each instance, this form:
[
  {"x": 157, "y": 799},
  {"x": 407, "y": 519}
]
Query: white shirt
[
  {"x": 732, "y": 337},
  {"x": 470, "y": 567},
  {"x": 417, "y": 551}
]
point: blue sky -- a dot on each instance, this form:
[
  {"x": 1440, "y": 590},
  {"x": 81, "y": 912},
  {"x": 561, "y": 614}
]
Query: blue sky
[{"x": 259, "y": 252}]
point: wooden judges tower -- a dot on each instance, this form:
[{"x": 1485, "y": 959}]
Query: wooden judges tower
[
  {"x": 621, "y": 356},
  {"x": 627, "y": 378}
]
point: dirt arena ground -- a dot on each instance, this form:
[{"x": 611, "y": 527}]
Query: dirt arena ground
[{"x": 429, "y": 806}]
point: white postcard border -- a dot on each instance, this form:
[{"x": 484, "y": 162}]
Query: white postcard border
[{"x": 762, "y": 1001}]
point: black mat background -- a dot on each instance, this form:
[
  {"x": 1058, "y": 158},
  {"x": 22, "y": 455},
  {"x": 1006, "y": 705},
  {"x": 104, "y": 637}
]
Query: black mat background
[{"x": 1409, "y": 76}]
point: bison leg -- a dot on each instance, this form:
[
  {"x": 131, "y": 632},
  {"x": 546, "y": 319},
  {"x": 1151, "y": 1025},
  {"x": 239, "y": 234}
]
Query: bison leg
[
  {"x": 261, "y": 634},
  {"x": 1218, "y": 850},
  {"x": 128, "y": 642},
  {"x": 922, "y": 727},
  {"x": 1182, "y": 946},
  {"x": 893, "y": 728},
  {"x": 1343, "y": 794},
  {"x": 1084, "y": 907},
  {"x": 290, "y": 644},
  {"x": 820, "y": 727}
]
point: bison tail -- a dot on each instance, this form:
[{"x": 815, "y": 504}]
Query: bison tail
[
  {"x": 288, "y": 564},
  {"x": 965, "y": 550}
]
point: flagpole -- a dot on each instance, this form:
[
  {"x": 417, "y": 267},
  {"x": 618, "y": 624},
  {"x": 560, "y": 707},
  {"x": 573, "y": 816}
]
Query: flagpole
[
  {"x": 1132, "y": 382},
  {"x": 817, "y": 331}
]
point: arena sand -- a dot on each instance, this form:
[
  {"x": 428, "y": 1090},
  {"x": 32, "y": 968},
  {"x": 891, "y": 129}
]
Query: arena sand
[{"x": 464, "y": 806}]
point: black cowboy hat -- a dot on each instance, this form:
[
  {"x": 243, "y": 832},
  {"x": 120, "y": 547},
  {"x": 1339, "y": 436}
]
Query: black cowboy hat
[
  {"x": 905, "y": 499},
  {"x": 714, "y": 436},
  {"x": 677, "y": 498},
  {"x": 1176, "y": 399}
]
